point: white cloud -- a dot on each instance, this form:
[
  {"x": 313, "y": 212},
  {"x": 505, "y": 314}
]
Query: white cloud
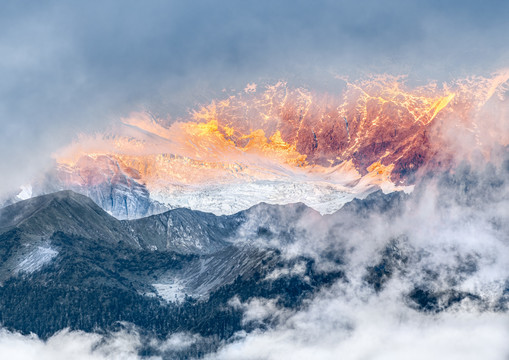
[
  {"x": 342, "y": 325},
  {"x": 64, "y": 345},
  {"x": 455, "y": 238}
]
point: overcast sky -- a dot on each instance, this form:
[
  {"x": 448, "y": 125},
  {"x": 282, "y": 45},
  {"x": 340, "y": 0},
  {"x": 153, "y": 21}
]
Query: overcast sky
[{"x": 69, "y": 66}]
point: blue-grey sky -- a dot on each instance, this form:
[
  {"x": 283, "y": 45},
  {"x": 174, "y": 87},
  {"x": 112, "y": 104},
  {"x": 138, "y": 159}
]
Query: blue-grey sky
[{"x": 70, "y": 66}]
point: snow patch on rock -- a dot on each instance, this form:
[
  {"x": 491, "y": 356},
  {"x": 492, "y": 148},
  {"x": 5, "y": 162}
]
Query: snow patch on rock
[
  {"x": 25, "y": 193},
  {"x": 36, "y": 259},
  {"x": 171, "y": 292}
]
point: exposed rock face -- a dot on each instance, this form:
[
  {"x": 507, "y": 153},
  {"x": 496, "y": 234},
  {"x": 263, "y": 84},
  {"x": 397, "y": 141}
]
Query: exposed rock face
[
  {"x": 372, "y": 122},
  {"x": 184, "y": 230},
  {"x": 115, "y": 189}
]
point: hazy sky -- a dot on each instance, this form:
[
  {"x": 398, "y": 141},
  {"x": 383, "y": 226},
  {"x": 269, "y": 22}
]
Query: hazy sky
[{"x": 69, "y": 66}]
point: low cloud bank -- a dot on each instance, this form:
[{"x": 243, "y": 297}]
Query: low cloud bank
[
  {"x": 345, "y": 326},
  {"x": 69, "y": 345},
  {"x": 426, "y": 276}
]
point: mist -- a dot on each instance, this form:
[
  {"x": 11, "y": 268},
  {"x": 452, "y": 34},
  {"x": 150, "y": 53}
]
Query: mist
[
  {"x": 425, "y": 274},
  {"x": 67, "y": 344},
  {"x": 443, "y": 292}
]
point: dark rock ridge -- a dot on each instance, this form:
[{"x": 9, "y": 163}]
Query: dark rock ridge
[
  {"x": 178, "y": 230},
  {"x": 63, "y": 211}
]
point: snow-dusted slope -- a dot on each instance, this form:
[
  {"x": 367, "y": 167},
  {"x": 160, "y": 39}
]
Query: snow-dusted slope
[
  {"x": 228, "y": 199},
  {"x": 122, "y": 192}
]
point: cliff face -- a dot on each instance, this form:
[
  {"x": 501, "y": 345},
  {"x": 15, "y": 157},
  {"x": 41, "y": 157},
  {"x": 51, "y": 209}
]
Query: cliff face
[
  {"x": 371, "y": 124},
  {"x": 116, "y": 189},
  {"x": 380, "y": 121}
]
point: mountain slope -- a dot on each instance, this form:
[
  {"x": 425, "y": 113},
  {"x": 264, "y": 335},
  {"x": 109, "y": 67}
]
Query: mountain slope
[
  {"x": 64, "y": 211},
  {"x": 184, "y": 230},
  {"x": 75, "y": 214},
  {"x": 64, "y": 275}
]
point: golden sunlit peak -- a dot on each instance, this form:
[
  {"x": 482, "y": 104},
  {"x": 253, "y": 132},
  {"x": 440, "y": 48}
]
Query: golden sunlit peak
[
  {"x": 278, "y": 141},
  {"x": 439, "y": 105},
  {"x": 380, "y": 125},
  {"x": 422, "y": 103},
  {"x": 228, "y": 130},
  {"x": 201, "y": 129}
]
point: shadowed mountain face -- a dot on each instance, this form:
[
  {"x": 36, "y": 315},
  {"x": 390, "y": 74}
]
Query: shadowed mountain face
[
  {"x": 184, "y": 230},
  {"x": 66, "y": 263},
  {"x": 179, "y": 230},
  {"x": 63, "y": 211},
  {"x": 74, "y": 214}
]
